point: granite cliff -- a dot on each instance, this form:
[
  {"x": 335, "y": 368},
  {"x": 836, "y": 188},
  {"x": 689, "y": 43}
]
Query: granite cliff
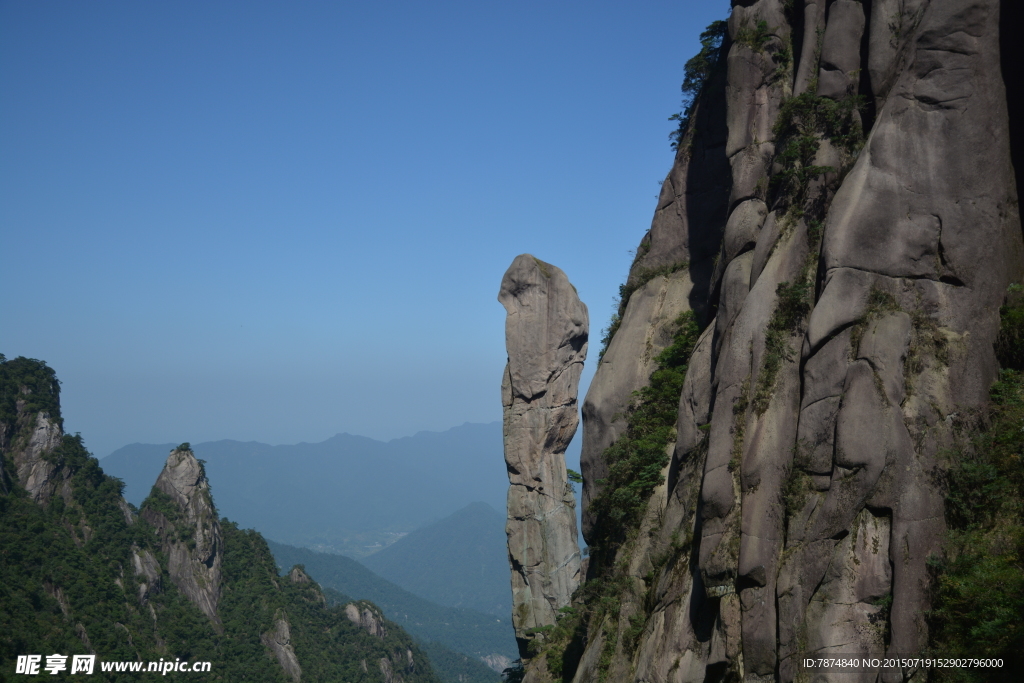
[{"x": 818, "y": 298}]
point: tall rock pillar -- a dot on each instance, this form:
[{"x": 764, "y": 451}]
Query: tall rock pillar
[
  {"x": 181, "y": 508},
  {"x": 546, "y": 337}
]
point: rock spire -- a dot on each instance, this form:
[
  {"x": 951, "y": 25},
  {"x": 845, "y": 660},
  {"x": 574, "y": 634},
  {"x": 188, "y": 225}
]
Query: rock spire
[
  {"x": 546, "y": 337},
  {"x": 181, "y": 508}
]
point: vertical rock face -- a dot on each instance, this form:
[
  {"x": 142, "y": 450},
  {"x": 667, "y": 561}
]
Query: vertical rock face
[
  {"x": 279, "y": 641},
  {"x": 36, "y": 473},
  {"x": 862, "y": 206},
  {"x": 673, "y": 272},
  {"x": 147, "y": 571},
  {"x": 182, "y": 511},
  {"x": 546, "y": 337},
  {"x": 31, "y": 429}
]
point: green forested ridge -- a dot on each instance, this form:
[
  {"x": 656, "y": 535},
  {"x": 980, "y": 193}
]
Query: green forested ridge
[
  {"x": 450, "y": 666},
  {"x": 30, "y": 381},
  {"x": 67, "y": 583},
  {"x": 465, "y": 631}
]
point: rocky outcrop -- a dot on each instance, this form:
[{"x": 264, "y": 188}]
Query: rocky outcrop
[
  {"x": 298, "y": 575},
  {"x": 34, "y": 471},
  {"x": 546, "y": 337},
  {"x": 864, "y": 240},
  {"x": 147, "y": 572},
  {"x": 367, "y": 617},
  {"x": 31, "y": 428},
  {"x": 497, "y": 663},
  {"x": 182, "y": 511},
  {"x": 42, "y": 459},
  {"x": 401, "y": 663},
  {"x": 279, "y": 641}
]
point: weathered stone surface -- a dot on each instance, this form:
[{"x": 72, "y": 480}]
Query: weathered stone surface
[
  {"x": 546, "y": 334},
  {"x": 735, "y": 287},
  {"x": 298, "y": 575},
  {"x": 842, "y": 303},
  {"x": 36, "y": 474},
  {"x": 846, "y": 610},
  {"x": 802, "y": 497},
  {"x": 814, "y": 22},
  {"x": 766, "y": 241},
  {"x": 647, "y": 325},
  {"x": 840, "y": 49},
  {"x": 147, "y": 571},
  {"x": 196, "y": 570},
  {"x": 366, "y": 617},
  {"x": 694, "y": 403},
  {"x": 279, "y": 641},
  {"x": 743, "y": 228}
]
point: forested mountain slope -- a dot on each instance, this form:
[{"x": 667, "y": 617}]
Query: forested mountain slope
[
  {"x": 82, "y": 572},
  {"x": 462, "y": 630}
]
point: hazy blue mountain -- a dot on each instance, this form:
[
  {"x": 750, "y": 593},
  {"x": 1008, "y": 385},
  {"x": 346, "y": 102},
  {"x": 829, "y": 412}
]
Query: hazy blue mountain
[
  {"x": 466, "y": 631},
  {"x": 347, "y": 494},
  {"x": 455, "y": 667},
  {"x": 459, "y": 561}
]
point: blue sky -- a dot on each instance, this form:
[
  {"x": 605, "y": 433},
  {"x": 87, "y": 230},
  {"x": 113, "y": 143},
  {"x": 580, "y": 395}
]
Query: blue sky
[{"x": 279, "y": 221}]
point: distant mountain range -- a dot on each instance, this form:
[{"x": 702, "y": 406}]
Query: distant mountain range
[
  {"x": 459, "y": 561},
  {"x": 348, "y": 494}
]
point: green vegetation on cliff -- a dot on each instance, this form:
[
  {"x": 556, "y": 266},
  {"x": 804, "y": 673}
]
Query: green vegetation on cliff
[
  {"x": 979, "y": 605},
  {"x": 636, "y": 459},
  {"x": 696, "y": 73},
  {"x": 68, "y": 581},
  {"x": 803, "y": 122},
  {"x": 31, "y": 382}
]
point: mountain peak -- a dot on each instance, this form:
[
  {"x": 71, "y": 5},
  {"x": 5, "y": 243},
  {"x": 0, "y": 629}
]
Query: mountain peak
[{"x": 181, "y": 508}]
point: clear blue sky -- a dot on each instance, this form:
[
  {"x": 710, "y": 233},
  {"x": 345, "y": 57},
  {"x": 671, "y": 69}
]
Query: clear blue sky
[{"x": 278, "y": 221}]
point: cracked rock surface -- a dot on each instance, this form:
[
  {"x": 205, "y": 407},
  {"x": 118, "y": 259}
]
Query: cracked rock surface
[
  {"x": 848, "y": 323},
  {"x": 546, "y": 337},
  {"x": 189, "y": 531}
]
